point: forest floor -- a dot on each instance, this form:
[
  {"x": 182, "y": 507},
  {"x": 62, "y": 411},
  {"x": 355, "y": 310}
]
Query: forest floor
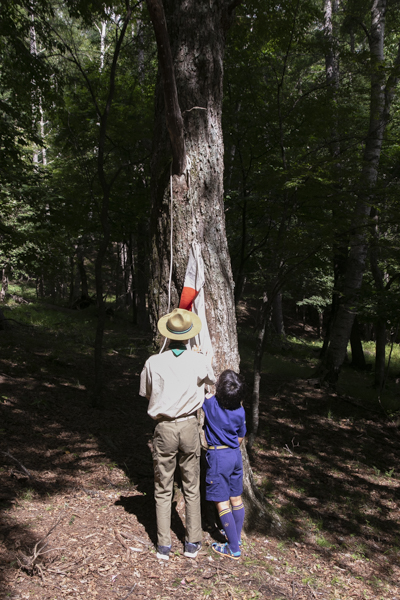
[{"x": 76, "y": 486}]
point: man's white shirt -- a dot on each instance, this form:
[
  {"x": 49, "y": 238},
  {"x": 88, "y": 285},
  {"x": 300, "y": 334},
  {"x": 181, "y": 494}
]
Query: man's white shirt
[{"x": 174, "y": 385}]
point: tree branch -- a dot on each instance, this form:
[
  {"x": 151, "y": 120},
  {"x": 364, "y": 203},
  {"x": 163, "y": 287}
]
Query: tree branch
[{"x": 21, "y": 466}]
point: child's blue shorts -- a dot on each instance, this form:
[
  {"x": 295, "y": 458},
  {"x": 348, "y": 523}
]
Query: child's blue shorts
[{"x": 224, "y": 474}]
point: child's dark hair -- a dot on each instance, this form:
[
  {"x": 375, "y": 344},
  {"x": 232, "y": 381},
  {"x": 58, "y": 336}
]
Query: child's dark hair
[{"x": 230, "y": 390}]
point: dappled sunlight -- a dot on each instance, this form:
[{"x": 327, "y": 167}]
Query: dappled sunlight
[{"x": 332, "y": 472}]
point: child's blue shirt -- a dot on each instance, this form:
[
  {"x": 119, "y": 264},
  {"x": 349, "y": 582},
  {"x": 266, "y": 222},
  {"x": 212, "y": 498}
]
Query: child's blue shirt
[{"x": 222, "y": 426}]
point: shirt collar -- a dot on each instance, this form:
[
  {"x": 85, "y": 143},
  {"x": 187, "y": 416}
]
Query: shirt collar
[{"x": 177, "y": 347}]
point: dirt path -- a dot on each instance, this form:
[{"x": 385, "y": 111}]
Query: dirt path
[{"x": 88, "y": 474}]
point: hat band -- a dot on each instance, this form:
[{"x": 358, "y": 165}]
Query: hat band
[{"x": 179, "y": 332}]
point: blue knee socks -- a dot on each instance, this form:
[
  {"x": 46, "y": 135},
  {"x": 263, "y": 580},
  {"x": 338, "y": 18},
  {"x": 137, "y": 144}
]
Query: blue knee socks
[
  {"x": 238, "y": 515},
  {"x": 229, "y": 525}
]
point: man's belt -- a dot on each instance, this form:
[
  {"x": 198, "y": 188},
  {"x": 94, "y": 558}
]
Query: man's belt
[
  {"x": 171, "y": 419},
  {"x": 217, "y": 447}
]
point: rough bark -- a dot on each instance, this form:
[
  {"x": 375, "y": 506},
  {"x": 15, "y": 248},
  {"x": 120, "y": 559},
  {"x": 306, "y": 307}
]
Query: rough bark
[
  {"x": 195, "y": 32},
  {"x": 197, "y": 48}
]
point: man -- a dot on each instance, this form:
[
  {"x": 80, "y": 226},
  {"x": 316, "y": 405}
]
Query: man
[{"x": 173, "y": 384}]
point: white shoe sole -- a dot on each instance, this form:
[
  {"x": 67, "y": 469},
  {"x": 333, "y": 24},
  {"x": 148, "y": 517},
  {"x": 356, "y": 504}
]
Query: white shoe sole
[{"x": 163, "y": 556}]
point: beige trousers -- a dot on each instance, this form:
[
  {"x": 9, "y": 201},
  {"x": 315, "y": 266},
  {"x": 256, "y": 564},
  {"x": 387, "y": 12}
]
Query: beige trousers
[{"x": 174, "y": 439}]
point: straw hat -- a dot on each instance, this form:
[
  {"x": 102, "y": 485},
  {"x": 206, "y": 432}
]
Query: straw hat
[{"x": 180, "y": 324}]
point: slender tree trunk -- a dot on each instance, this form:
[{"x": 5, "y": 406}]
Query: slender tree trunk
[
  {"x": 80, "y": 261},
  {"x": 258, "y": 356},
  {"x": 332, "y": 79},
  {"x": 120, "y": 276},
  {"x": 380, "y": 101},
  {"x": 380, "y": 353},
  {"x": 240, "y": 276},
  {"x": 37, "y": 104},
  {"x": 106, "y": 185},
  {"x": 141, "y": 277},
  {"x": 320, "y": 323},
  {"x": 129, "y": 274},
  {"x": 102, "y": 29},
  {"x": 357, "y": 352},
  {"x": 71, "y": 280},
  {"x": 41, "y": 285},
  {"x": 4, "y": 285},
  {"x": 277, "y": 314},
  {"x": 380, "y": 325}
]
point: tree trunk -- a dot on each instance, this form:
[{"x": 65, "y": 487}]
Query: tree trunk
[
  {"x": 380, "y": 100},
  {"x": 37, "y": 104},
  {"x": 380, "y": 353},
  {"x": 119, "y": 276},
  {"x": 320, "y": 324},
  {"x": 129, "y": 274},
  {"x": 190, "y": 40},
  {"x": 240, "y": 278},
  {"x": 380, "y": 325},
  {"x": 357, "y": 352},
  {"x": 106, "y": 186},
  {"x": 71, "y": 281},
  {"x": 4, "y": 285},
  {"x": 258, "y": 356},
  {"x": 197, "y": 46},
  {"x": 277, "y": 314},
  {"x": 141, "y": 276},
  {"x": 80, "y": 261},
  {"x": 340, "y": 243}
]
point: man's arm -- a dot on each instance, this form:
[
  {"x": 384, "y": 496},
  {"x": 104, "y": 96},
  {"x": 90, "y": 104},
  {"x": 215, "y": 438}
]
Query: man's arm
[{"x": 145, "y": 384}]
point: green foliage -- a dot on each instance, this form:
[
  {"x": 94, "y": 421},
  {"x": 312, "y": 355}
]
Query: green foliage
[
  {"x": 51, "y": 111},
  {"x": 289, "y": 197}
]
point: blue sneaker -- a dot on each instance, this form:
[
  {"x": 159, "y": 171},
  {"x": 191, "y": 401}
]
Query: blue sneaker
[
  {"x": 192, "y": 550},
  {"x": 224, "y": 550},
  {"x": 163, "y": 552}
]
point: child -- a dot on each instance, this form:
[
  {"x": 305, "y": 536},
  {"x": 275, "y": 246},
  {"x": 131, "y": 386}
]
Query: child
[{"x": 225, "y": 427}]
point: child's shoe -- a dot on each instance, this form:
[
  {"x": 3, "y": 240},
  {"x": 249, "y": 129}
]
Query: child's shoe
[{"x": 224, "y": 550}]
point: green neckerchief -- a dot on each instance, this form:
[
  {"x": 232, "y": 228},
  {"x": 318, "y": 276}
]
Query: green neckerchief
[{"x": 177, "y": 347}]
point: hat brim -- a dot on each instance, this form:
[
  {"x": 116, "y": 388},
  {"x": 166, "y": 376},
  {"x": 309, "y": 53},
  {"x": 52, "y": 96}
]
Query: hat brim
[{"x": 188, "y": 335}]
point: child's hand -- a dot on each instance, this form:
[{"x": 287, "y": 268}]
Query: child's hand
[{"x": 196, "y": 348}]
